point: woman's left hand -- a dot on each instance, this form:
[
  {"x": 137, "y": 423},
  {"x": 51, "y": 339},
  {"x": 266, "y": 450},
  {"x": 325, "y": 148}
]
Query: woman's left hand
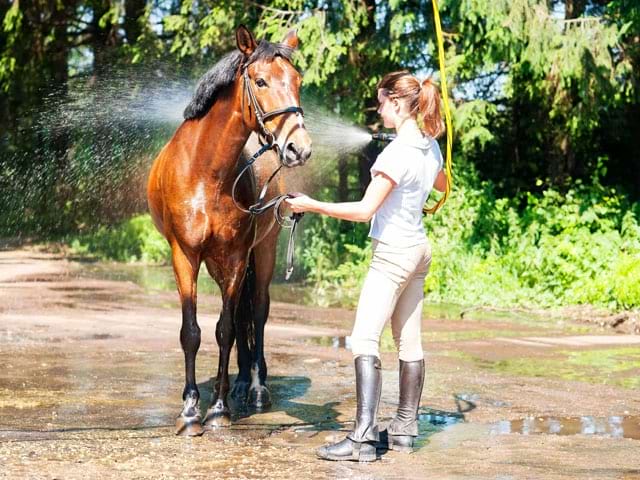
[{"x": 300, "y": 203}]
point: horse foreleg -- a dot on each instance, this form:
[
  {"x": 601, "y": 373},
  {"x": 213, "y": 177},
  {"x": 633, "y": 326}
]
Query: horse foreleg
[
  {"x": 186, "y": 273},
  {"x": 219, "y": 414}
]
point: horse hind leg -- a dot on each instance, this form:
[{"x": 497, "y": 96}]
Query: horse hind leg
[
  {"x": 265, "y": 257},
  {"x": 259, "y": 395},
  {"x": 186, "y": 272},
  {"x": 245, "y": 338}
]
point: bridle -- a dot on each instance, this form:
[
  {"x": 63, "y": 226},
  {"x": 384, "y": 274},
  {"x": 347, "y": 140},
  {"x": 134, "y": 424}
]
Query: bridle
[
  {"x": 267, "y": 142},
  {"x": 261, "y": 116}
]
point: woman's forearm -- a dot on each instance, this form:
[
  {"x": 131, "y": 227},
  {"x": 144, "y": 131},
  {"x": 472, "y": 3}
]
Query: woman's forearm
[
  {"x": 352, "y": 211},
  {"x": 360, "y": 211}
]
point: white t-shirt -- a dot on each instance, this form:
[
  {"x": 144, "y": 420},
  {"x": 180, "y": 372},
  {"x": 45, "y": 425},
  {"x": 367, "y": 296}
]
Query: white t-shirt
[{"x": 413, "y": 163}]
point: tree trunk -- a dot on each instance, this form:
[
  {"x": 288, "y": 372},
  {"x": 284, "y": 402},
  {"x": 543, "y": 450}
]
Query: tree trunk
[
  {"x": 343, "y": 179},
  {"x": 133, "y": 11},
  {"x": 574, "y": 8},
  {"x": 57, "y": 58},
  {"x": 103, "y": 37},
  {"x": 5, "y": 112}
]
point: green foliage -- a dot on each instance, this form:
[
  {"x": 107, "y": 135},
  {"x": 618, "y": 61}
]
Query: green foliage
[
  {"x": 335, "y": 269},
  {"x": 136, "y": 239},
  {"x": 547, "y": 83},
  {"x": 546, "y": 110},
  {"x": 473, "y": 120},
  {"x": 11, "y": 25},
  {"x": 582, "y": 246}
]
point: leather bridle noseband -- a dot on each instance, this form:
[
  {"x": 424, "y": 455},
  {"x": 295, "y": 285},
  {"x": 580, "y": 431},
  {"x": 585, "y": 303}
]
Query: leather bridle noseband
[{"x": 267, "y": 141}]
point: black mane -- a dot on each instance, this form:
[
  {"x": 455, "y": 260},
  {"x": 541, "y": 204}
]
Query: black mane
[{"x": 224, "y": 73}]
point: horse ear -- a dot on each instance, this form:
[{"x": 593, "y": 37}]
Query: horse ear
[
  {"x": 291, "y": 39},
  {"x": 245, "y": 41}
]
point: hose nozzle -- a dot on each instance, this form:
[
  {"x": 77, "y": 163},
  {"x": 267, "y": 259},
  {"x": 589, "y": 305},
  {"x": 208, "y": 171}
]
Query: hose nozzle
[{"x": 383, "y": 137}]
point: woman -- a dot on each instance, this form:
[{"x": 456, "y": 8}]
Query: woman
[{"x": 402, "y": 178}]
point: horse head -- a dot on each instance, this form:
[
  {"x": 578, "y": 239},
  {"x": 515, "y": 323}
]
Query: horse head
[{"x": 271, "y": 96}]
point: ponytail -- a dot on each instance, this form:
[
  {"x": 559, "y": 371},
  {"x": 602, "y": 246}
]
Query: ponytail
[{"x": 429, "y": 108}]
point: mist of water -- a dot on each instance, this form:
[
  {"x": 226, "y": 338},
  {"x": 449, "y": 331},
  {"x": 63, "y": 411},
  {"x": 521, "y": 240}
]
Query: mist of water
[
  {"x": 332, "y": 136},
  {"x": 95, "y": 145},
  {"x": 87, "y": 153}
]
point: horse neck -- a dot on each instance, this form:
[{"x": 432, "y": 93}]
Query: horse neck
[{"x": 221, "y": 135}]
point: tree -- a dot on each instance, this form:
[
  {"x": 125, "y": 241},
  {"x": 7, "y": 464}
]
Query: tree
[
  {"x": 545, "y": 91},
  {"x": 560, "y": 77}
]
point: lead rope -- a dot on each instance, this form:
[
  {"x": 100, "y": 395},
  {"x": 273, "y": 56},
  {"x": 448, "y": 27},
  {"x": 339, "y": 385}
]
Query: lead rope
[
  {"x": 294, "y": 219},
  {"x": 260, "y": 207},
  {"x": 447, "y": 111}
]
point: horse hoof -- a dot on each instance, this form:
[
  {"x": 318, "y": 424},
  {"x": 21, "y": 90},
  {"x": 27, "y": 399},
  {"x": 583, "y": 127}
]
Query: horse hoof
[
  {"x": 217, "y": 417},
  {"x": 218, "y": 421},
  {"x": 240, "y": 391},
  {"x": 260, "y": 398},
  {"x": 189, "y": 426}
]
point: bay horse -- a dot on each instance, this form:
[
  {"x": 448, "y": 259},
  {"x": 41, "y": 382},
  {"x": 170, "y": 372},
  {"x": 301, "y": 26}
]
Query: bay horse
[{"x": 193, "y": 203}]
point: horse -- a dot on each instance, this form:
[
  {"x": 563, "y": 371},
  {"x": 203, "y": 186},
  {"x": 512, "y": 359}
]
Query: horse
[{"x": 204, "y": 213}]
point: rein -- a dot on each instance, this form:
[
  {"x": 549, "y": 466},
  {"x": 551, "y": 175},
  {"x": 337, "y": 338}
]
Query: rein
[{"x": 267, "y": 140}]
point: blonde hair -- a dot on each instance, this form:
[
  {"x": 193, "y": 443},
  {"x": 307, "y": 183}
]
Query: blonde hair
[{"x": 423, "y": 98}]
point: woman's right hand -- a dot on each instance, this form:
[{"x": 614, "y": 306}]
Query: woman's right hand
[{"x": 300, "y": 203}]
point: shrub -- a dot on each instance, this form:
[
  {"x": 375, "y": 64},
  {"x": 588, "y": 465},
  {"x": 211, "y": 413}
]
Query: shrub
[{"x": 133, "y": 240}]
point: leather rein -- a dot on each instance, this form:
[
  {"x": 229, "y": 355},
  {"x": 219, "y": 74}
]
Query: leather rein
[{"x": 267, "y": 142}]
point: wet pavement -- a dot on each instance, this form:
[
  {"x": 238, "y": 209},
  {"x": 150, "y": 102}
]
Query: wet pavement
[{"x": 91, "y": 375}]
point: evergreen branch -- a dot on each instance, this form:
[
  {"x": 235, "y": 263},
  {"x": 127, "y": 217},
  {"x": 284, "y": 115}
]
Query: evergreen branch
[{"x": 278, "y": 11}]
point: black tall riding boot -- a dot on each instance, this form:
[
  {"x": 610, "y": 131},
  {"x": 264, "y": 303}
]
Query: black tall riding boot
[
  {"x": 404, "y": 427},
  {"x": 360, "y": 445}
]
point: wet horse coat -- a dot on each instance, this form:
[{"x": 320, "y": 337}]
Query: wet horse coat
[{"x": 190, "y": 200}]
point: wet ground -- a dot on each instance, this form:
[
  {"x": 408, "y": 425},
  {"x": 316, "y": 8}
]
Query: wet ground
[{"x": 91, "y": 376}]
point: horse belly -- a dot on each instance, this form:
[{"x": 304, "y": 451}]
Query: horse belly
[{"x": 202, "y": 225}]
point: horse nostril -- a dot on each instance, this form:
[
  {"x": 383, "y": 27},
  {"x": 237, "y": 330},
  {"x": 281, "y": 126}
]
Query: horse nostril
[{"x": 291, "y": 147}]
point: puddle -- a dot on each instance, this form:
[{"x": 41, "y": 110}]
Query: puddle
[
  {"x": 433, "y": 421},
  {"x": 612, "y": 366},
  {"x": 331, "y": 341},
  {"x": 438, "y": 417},
  {"x": 160, "y": 278},
  {"x": 430, "y": 422},
  {"x": 614, "y": 426},
  {"x": 387, "y": 344},
  {"x": 100, "y": 336},
  {"x": 465, "y": 335}
]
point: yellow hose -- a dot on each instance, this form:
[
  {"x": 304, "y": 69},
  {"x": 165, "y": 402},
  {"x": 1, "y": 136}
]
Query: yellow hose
[{"x": 447, "y": 111}]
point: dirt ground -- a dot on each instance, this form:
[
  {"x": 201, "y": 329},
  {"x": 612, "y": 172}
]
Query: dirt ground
[{"x": 91, "y": 375}]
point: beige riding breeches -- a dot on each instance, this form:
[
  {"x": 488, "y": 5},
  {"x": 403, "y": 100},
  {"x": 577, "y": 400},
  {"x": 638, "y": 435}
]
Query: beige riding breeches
[{"x": 393, "y": 289}]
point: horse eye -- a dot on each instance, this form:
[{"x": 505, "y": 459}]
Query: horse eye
[{"x": 261, "y": 83}]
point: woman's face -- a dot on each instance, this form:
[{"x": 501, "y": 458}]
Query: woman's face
[{"x": 387, "y": 109}]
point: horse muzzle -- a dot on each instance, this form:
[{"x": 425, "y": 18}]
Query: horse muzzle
[{"x": 295, "y": 155}]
